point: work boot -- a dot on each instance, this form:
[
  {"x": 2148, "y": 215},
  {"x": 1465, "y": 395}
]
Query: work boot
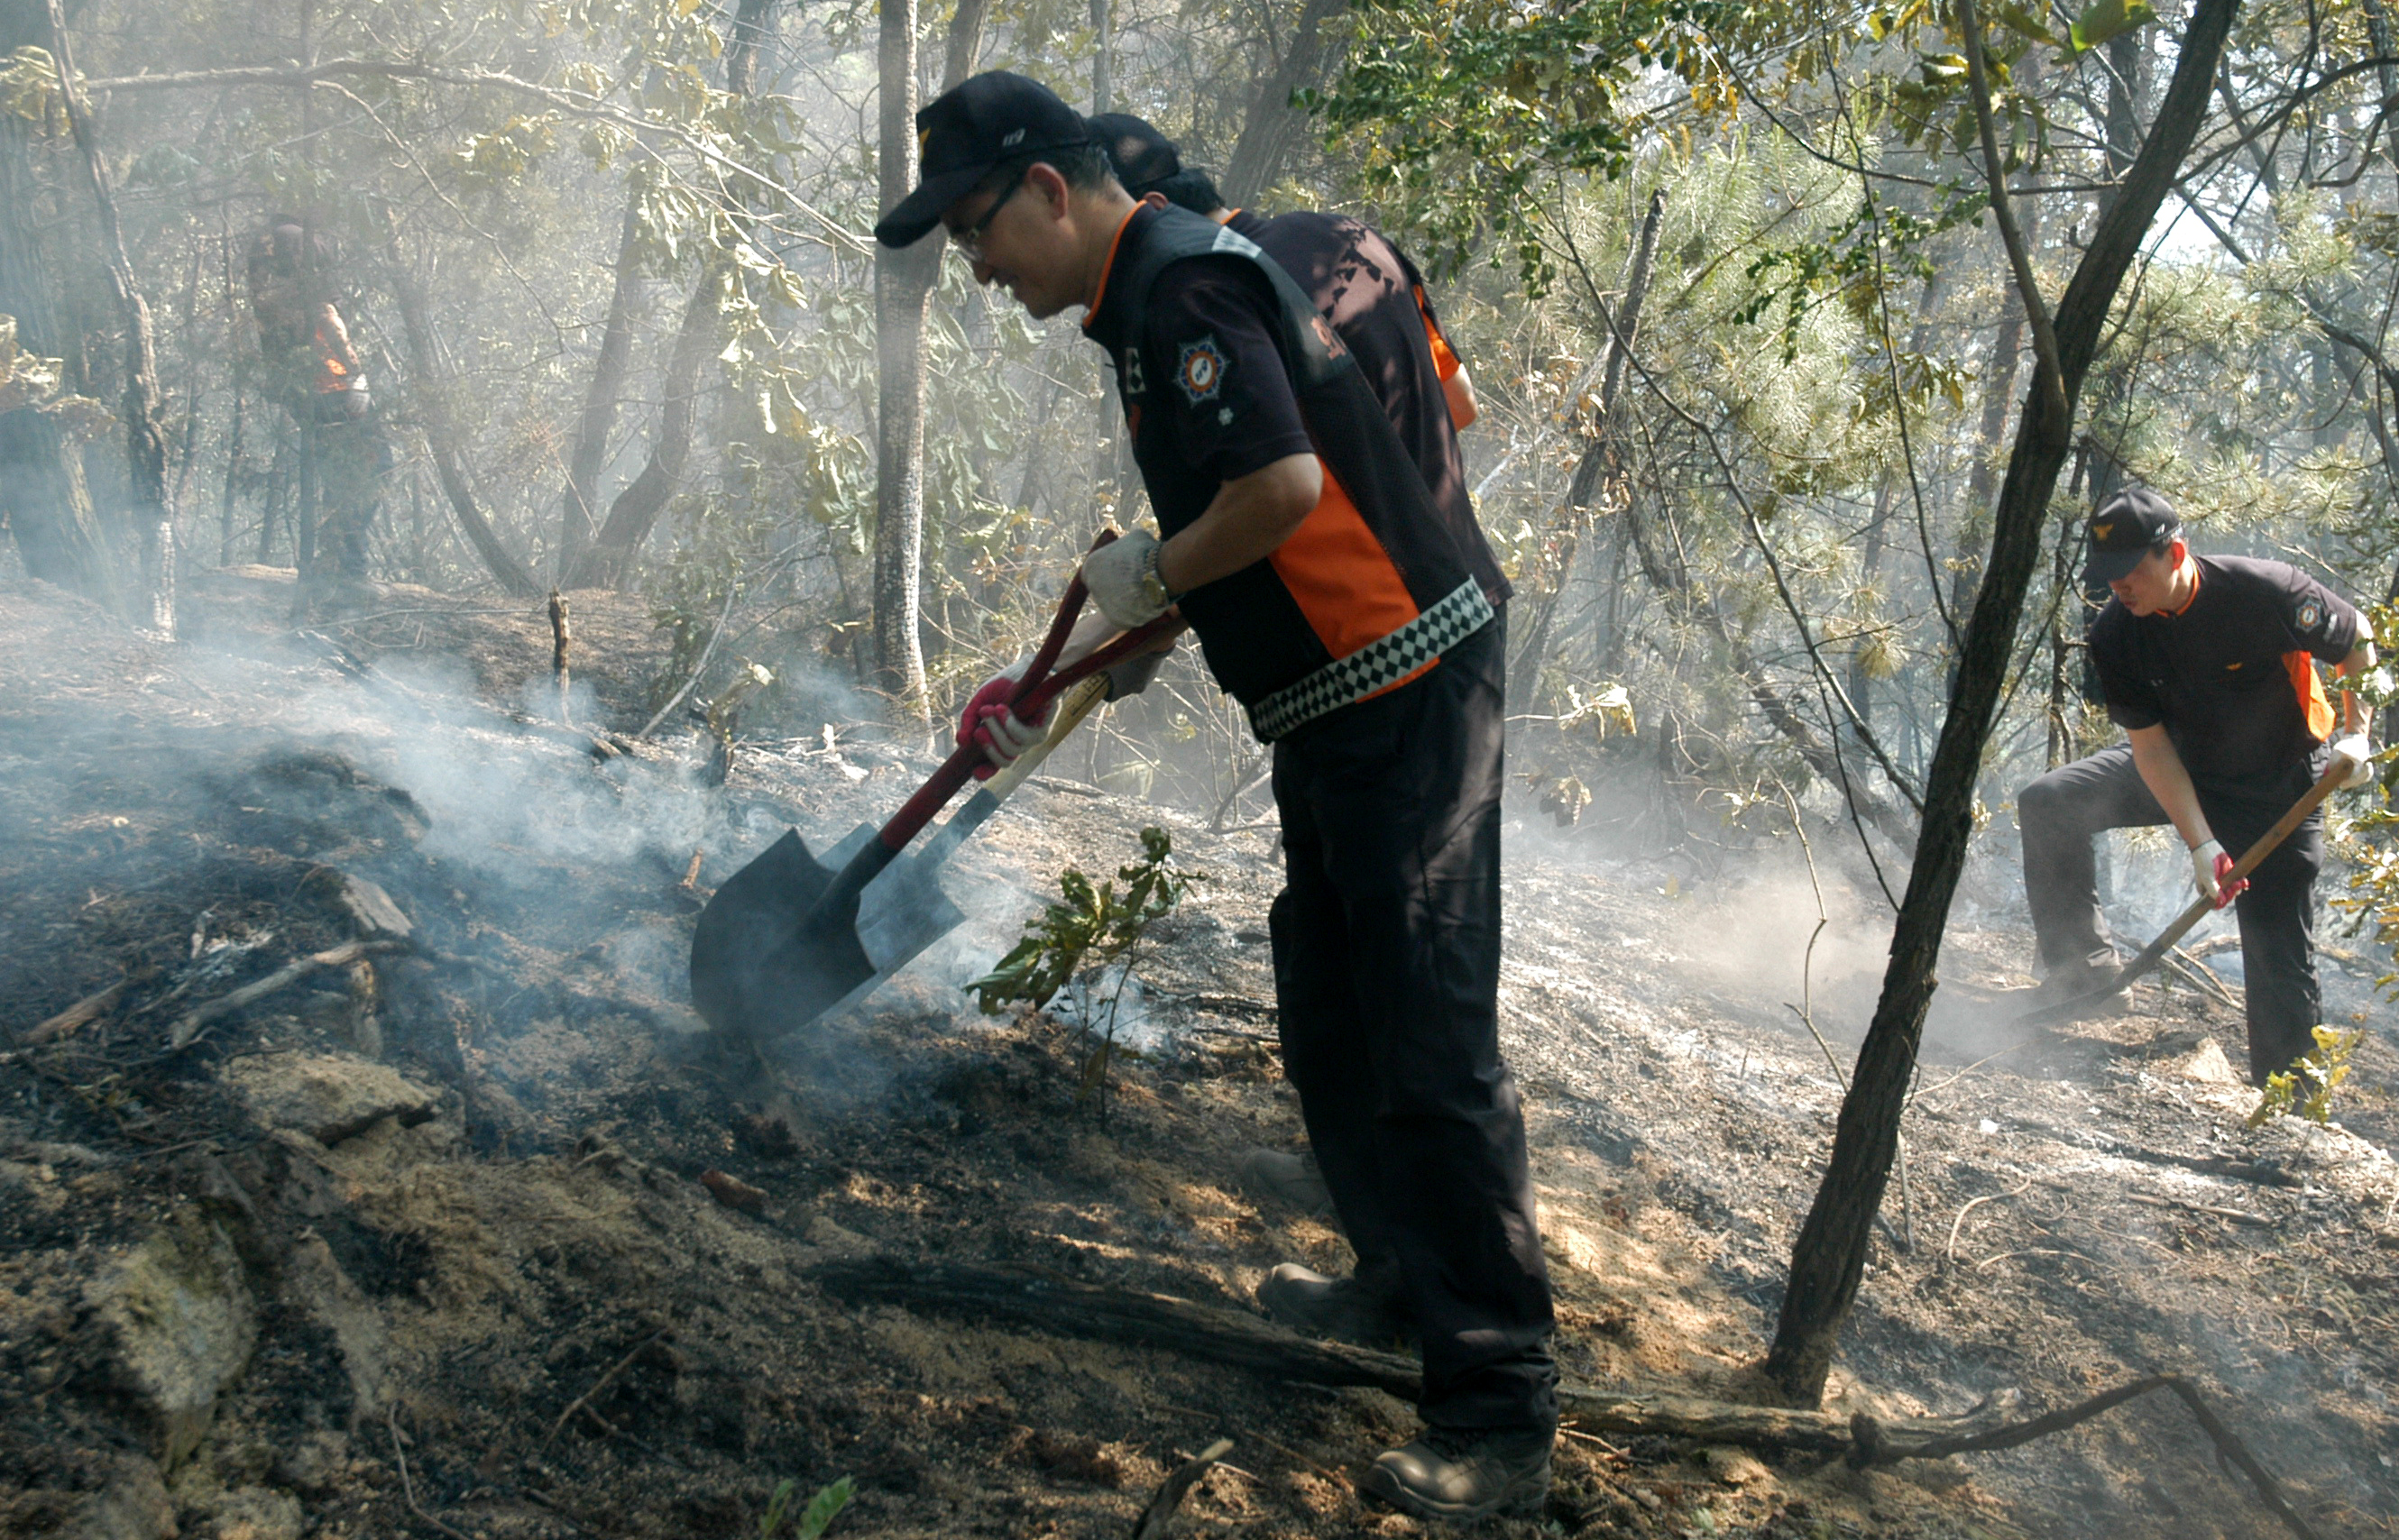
[
  {"x": 1342, "y": 1309},
  {"x": 2073, "y": 981},
  {"x": 1465, "y": 1474},
  {"x": 1292, "y": 1178}
]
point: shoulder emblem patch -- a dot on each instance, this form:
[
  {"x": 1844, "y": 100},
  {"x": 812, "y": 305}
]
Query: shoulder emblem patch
[
  {"x": 1200, "y": 370},
  {"x": 2311, "y": 615}
]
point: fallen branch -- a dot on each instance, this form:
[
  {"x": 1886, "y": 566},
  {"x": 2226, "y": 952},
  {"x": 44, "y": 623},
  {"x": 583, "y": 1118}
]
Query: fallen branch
[
  {"x": 82, "y": 1013},
  {"x": 583, "y": 1402},
  {"x": 1160, "y": 1516},
  {"x": 1870, "y": 1449},
  {"x": 1092, "y": 1312},
  {"x": 189, "y": 1025}
]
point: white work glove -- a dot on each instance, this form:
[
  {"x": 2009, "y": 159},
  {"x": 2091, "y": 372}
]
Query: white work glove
[
  {"x": 2355, "y": 748},
  {"x": 2209, "y": 866},
  {"x": 1122, "y": 577},
  {"x": 987, "y": 721}
]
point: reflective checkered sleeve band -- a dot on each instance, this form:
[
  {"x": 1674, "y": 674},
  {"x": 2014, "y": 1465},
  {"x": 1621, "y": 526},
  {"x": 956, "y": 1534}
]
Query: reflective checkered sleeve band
[{"x": 1376, "y": 665}]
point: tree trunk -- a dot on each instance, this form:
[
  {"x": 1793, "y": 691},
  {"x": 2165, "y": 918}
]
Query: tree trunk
[
  {"x": 1526, "y": 673},
  {"x": 750, "y": 24},
  {"x": 578, "y": 521},
  {"x": 433, "y": 415},
  {"x": 1830, "y": 1256},
  {"x": 903, "y": 283},
  {"x": 145, "y": 436},
  {"x": 636, "y": 509},
  {"x": 1273, "y": 122}
]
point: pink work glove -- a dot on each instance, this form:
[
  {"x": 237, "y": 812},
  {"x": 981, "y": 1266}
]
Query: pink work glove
[
  {"x": 2209, "y": 867},
  {"x": 988, "y": 721}
]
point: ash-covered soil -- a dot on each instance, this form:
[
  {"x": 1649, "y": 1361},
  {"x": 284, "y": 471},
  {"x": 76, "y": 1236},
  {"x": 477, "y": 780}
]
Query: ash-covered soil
[{"x": 417, "y": 1241}]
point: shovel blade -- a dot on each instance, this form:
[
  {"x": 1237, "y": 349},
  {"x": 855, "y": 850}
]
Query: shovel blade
[{"x": 759, "y": 969}]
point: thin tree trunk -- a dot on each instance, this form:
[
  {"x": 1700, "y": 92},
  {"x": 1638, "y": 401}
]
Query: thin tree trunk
[
  {"x": 1862, "y": 684},
  {"x": 578, "y": 521},
  {"x": 433, "y": 415},
  {"x": 145, "y": 436},
  {"x": 1273, "y": 122},
  {"x": 1526, "y": 673},
  {"x": 636, "y": 509},
  {"x": 900, "y": 297},
  {"x": 750, "y": 26},
  {"x": 1829, "y": 1259}
]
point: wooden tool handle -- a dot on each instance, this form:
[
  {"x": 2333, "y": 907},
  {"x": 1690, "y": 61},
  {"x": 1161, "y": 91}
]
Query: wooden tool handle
[
  {"x": 1031, "y": 699},
  {"x": 2200, "y": 909}
]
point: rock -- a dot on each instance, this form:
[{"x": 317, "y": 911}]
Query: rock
[
  {"x": 313, "y": 1277},
  {"x": 134, "y": 1506},
  {"x": 181, "y": 1325},
  {"x": 1734, "y": 1468},
  {"x": 2209, "y": 1066},
  {"x": 258, "y": 1513},
  {"x": 369, "y": 907},
  {"x": 327, "y": 1096}
]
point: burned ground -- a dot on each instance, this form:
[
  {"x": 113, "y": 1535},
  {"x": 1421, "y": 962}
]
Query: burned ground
[{"x": 444, "y": 1204}]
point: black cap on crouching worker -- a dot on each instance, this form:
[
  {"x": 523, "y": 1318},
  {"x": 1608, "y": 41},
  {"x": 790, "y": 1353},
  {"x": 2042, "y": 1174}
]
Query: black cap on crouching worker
[
  {"x": 2127, "y": 526},
  {"x": 1142, "y": 157},
  {"x": 962, "y": 133}
]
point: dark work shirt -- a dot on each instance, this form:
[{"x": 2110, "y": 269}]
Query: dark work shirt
[
  {"x": 2232, "y": 677},
  {"x": 1370, "y": 291}
]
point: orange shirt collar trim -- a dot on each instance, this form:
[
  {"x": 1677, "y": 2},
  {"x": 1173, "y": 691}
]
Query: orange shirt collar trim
[
  {"x": 2195, "y": 576},
  {"x": 1092, "y": 308}
]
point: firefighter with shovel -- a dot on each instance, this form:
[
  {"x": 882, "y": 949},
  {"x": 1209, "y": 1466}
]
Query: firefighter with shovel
[
  {"x": 1358, "y": 621},
  {"x": 2209, "y": 665}
]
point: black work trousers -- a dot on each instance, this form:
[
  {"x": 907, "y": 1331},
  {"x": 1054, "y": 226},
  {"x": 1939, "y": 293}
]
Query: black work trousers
[
  {"x": 2058, "y": 815},
  {"x": 1386, "y": 977}
]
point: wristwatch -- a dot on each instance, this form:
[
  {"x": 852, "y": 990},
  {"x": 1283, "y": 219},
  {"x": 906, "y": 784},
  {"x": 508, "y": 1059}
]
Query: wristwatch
[{"x": 1153, "y": 588}]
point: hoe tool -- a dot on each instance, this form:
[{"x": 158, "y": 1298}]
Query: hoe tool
[
  {"x": 2069, "y": 1010},
  {"x": 787, "y": 938}
]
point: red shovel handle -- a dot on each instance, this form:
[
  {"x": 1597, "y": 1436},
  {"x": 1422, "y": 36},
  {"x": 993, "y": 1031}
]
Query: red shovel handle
[{"x": 1034, "y": 693}]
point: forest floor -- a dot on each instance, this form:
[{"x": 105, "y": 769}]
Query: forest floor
[{"x": 418, "y": 1244}]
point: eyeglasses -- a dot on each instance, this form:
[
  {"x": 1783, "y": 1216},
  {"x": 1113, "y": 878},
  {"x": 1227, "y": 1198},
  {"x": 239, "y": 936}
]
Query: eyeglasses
[{"x": 970, "y": 240}]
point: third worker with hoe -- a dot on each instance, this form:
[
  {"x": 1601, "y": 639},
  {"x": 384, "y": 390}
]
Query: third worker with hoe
[
  {"x": 2209, "y": 665},
  {"x": 1357, "y": 620}
]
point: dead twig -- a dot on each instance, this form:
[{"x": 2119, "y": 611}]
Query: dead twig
[
  {"x": 2236, "y": 1215},
  {"x": 584, "y": 1401},
  {"x": 407, "y": 1487},
  {"x": 189, "y": 1025},
  {"x": 1949, "y": 1252},
  {"x": 1869, "y": 1448},
  {"x": 82, "y": 1013},
  {"x": 1157, "y": 1519}
]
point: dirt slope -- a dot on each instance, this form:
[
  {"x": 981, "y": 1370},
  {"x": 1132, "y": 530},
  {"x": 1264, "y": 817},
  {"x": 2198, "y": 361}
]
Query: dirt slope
[{"x": 441, "y": 1205}]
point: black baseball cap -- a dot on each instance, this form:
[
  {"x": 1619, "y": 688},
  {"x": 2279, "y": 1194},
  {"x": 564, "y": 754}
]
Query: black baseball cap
[
  {"x": 2126, "y": 528},
  {"x": 962, "y": 133},
  {"x": 1142, "y": 157}
]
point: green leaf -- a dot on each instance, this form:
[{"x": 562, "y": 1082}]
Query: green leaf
[
  {"x": 823, "y": 1509},
  {"x": 2106, "y": 18},
  {"x": 2015, "y": 18}
]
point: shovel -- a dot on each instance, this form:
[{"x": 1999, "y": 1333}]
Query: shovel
[
  {"x": 2068, "y": 1010},
  {"x": 787, "y": 938}
]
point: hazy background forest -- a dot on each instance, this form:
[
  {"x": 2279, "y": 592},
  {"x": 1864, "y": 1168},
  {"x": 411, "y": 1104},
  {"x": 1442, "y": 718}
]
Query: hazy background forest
[{"x": 605, "y": 269}]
